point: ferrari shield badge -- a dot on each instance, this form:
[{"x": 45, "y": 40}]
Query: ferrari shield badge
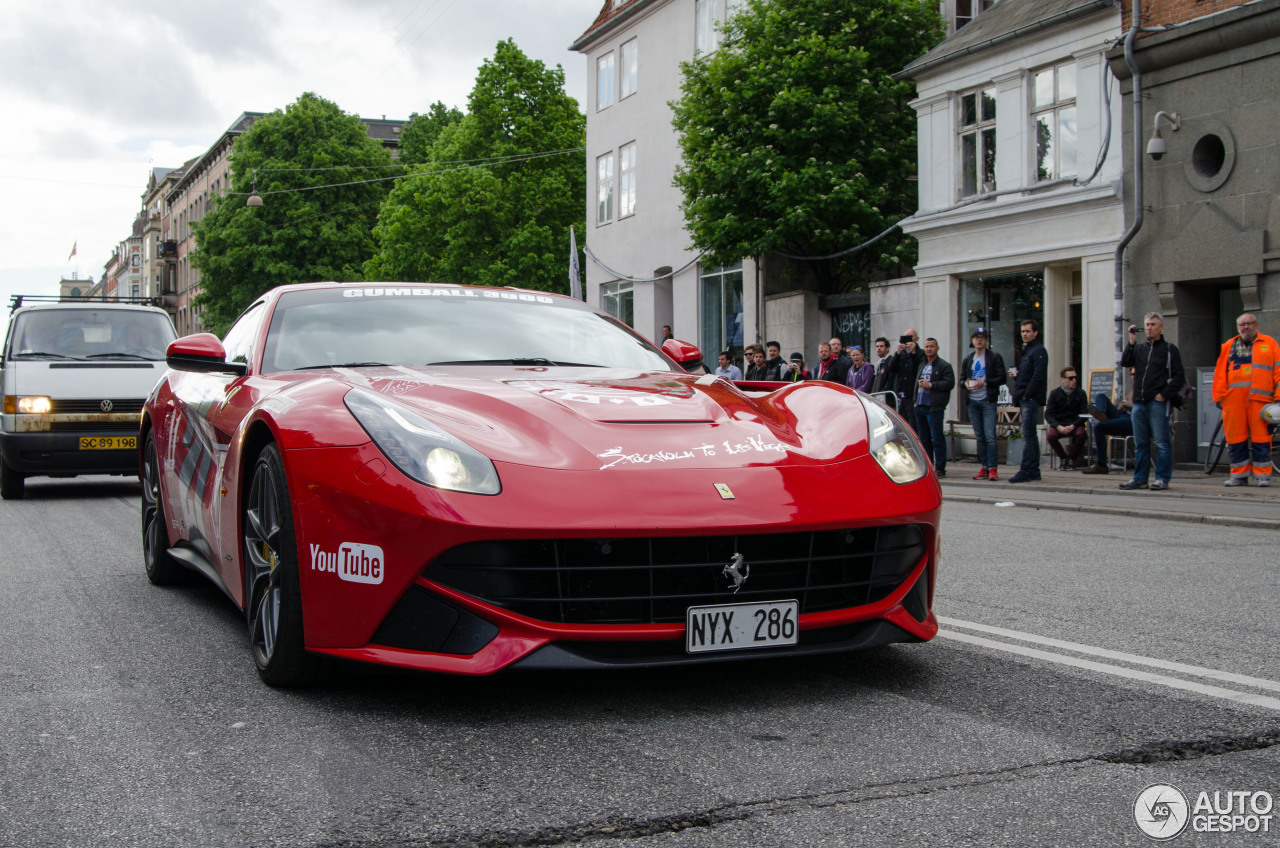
[{"x": 725, "y": 492}]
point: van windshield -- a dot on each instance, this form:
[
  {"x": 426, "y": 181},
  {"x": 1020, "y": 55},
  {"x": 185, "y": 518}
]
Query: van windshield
[{"x": 90, "y": 334}]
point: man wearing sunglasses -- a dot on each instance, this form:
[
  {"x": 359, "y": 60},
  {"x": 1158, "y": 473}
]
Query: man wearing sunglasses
[{"x": 1065, "y": 414}]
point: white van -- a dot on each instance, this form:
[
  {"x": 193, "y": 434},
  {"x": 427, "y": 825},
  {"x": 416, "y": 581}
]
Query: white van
[{"x": 75, "y": 376}]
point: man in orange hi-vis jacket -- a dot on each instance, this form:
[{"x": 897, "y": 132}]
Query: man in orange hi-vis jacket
[{"x": 1245, "y": 381}]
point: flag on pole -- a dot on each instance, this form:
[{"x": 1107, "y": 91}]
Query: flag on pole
[
  {"x": 575, "y": 284},
  {"x": 73, "y": 251}
]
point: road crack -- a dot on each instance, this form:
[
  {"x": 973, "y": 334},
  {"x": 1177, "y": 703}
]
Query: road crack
[{"x": 613, "y": 827}]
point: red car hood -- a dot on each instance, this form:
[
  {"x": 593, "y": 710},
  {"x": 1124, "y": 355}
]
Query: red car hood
[{"x": 592, "y": 418}]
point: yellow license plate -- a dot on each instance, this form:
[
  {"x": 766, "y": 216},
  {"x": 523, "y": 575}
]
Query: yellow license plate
[{"x": 108, "y": 443}]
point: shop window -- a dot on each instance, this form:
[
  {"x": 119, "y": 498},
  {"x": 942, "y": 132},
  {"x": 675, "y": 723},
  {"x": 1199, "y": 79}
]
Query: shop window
[
  {"x": 618, "y": 299},
  {"x": 1000, "y": 303},
  {"x": 722, "y": 312}
]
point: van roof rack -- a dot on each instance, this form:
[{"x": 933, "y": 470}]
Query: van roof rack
[{"x": 15, "y": 301}]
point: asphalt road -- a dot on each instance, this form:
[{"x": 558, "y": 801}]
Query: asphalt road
[{"x": 1083, "y": 659}]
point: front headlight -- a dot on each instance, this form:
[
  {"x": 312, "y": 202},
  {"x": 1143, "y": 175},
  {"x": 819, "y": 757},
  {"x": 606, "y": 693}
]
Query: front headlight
[
  {"x": 420, "y": 449},
  {"x": 32, "y": 405},
  {"x": 894, "y": 448}
]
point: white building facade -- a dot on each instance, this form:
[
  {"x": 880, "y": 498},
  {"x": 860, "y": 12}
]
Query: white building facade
[
  {"x": 1013, "y": 114},
  {"x": 641, "y": 266}
]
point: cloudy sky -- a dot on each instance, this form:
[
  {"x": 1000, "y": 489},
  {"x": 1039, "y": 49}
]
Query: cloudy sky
[{"x": 100, "y": 91}]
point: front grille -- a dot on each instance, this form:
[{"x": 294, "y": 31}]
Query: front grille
[
  {"x": 124, "y": 428},
  {"x": 94, "y": 407},
  {"x": 655, "y": 580}
]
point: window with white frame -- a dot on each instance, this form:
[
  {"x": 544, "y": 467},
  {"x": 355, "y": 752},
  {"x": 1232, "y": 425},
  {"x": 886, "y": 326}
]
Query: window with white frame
[
  {"x": 618, "y": 299},
  {"x": 627, "y": 180},
  {"x": 978, "y": 142},
  {"x": 1053, "y": 120},
  {"x": 604, "y": 80},
  {"x": 630, "y": 70},
  {"x": 967, "y": 10},
  {"x": 604, "y": 189},
  {"x": 705, "y": 25}
]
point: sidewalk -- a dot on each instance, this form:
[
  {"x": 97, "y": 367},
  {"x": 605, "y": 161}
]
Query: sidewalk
[{"x": 1191, "y": 497}]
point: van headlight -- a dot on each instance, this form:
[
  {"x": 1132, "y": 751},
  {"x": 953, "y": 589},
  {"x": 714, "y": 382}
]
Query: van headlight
[
  {"x": 894, "y": 447},
  {"x": 28, "y": 405},
  {"x": 421, "y": 449}
]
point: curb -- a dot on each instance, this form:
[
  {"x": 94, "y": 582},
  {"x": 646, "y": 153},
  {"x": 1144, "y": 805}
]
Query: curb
[{"x": 1164, "y": 515}]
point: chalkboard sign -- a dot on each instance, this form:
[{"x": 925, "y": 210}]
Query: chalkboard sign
[{"x": 1102, "y": 380}]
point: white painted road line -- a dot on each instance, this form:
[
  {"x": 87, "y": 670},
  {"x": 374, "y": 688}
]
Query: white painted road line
[
  {"x": 1118, "y": 656},
  {"x": 1265, "y": 701}
]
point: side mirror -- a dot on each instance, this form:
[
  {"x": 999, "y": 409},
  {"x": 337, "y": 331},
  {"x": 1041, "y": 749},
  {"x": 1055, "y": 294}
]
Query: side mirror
[
  {"x": 687, "y": 356},
  {"x": 202, "y": 353}
]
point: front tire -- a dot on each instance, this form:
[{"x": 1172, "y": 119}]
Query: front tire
[
  {"x": 12, "y": 482},
  {"x": 273, "y": 592},
  {"x": 161, "y": 568}
]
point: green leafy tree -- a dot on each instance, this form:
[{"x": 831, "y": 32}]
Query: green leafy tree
[
  {"x": 320, "y": 177},
  {"x": 494, "y": 202},
  {"x": 422, "y": 131},
  {"x": 798, "y": 140}
]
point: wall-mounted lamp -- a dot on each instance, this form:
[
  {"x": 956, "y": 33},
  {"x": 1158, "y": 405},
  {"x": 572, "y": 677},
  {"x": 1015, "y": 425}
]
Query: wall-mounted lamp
[{"x": 1156, "y": 147}]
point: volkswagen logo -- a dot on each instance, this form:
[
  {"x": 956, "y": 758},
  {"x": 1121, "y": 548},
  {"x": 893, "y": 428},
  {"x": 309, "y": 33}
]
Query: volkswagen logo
[{"x": 106, "y": 406}]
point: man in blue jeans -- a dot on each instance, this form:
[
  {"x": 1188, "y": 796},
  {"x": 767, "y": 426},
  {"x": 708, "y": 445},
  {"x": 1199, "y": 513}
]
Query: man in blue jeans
[
  {"x": 935, "y": 378},
  {"x": 1110, "y": 420},
  {"x": 1157, "y": 376},
  {"x": 981, "y": 375},
  {"x": 1029, "y": 393}
]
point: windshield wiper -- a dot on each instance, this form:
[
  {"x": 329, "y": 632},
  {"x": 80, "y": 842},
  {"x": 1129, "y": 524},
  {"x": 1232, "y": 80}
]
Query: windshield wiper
[
  {"x": 44, "y": 354},
  {"x": 519, "y": 360},
  {"x": 342, "y": 365},
  {"x": 123, "y": 355}
]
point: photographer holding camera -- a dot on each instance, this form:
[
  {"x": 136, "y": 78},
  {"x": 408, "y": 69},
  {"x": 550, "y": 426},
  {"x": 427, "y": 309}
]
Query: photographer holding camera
[{"x": 901, "y": 370}]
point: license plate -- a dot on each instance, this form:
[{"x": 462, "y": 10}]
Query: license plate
[
  {"x": 734, "y": 627},
  {"x": 108, "y": 443}
]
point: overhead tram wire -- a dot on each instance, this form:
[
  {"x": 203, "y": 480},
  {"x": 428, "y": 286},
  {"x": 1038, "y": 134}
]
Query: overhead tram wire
[{"x": 423, "y": 170}]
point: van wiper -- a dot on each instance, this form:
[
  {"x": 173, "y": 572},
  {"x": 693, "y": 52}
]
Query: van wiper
[
  {"x": 43, "y": 354},
  {"x": 122, "y": 355}
]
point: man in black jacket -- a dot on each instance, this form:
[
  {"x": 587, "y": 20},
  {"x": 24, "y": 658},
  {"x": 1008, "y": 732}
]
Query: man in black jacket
[
  {"x": 1064, "y": 414},
  {"x": 1157, "y": 377},
  {"x": 902, "y": 370},
  {"x": 935, "y": 378},
  {"x": 981, "y": 375},
  {"x": 1029, "y": 391}
]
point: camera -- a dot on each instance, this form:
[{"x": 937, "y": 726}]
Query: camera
[
  {"x": 1133, "y": 328},
  {"x": 904, "y": 340}
]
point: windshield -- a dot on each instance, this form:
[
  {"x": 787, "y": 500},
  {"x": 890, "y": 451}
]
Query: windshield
[
  {"x": 90, "y": 334},
  {"x": 447, "y": 326}
]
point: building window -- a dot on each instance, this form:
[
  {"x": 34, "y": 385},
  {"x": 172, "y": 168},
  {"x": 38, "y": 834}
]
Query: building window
[
  {"x": 705, "y": 26},
  {"x": 627, "y": 180},
  {"x": 618, "y": 299},
  {"x": 978, "y": 142},
  {"x": 604, "y": 80},
  {"x": 722, "y": 311},
  {"x": 630, "y": 68},
  {"x": 1053, "y": 118},
  {"x": 967, "y": 10},
  {"x": 604, "y": 189}
]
